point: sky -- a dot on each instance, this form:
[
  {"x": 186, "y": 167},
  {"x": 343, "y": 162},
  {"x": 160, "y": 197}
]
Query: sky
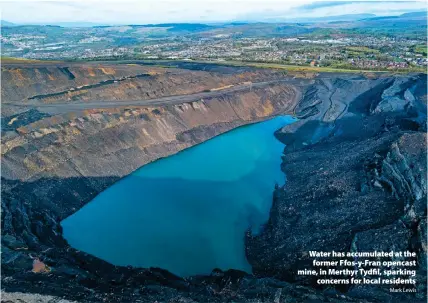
[{"x": 164, "y": 11}]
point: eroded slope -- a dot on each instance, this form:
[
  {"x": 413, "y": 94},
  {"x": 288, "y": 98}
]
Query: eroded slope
[
  {"x": 355, "y": 166},
  {"x": 56, "y": 159}
]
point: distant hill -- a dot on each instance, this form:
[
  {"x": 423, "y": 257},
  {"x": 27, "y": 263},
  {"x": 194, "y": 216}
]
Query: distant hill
[
  {"x": 6, "y": 23},
  {"x": 61, "y": 24},
  {"x": 414, "y": 14},
  {"x": 279, "y": 18},
  {"x": 380, "y": 18},
  {"x": 180, "y": 27},
  {"x": 411, "y": 15},
  {"x": 347, "y": 17},
  {"x": 76, "y": 24}
]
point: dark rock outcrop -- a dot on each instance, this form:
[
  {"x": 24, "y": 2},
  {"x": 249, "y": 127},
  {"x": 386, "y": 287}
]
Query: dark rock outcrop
[{"x": 356, "y": 180}]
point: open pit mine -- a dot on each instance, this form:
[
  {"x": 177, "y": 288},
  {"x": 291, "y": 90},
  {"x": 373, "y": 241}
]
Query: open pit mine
[{"x": 354, "y": 160}]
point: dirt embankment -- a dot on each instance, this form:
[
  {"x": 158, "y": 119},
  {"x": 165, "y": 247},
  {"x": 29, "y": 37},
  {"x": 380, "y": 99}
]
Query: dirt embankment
[
  {"x": 114, "y": 82},
  {"x": 53, "y": 164}
]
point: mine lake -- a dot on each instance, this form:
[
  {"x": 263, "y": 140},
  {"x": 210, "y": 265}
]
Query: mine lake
[{"x": 187, "y": 213}]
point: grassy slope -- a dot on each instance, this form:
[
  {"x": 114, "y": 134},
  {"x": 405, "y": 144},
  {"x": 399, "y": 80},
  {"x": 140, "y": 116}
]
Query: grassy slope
[
  {"x": 292, "y": 68},
  {"x": 298, "y": 68},
  {"x": 13, "y": 60}
]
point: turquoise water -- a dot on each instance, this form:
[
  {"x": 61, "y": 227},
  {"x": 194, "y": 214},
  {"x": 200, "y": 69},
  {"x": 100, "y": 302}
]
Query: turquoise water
[{"x": 186, "y": 213}]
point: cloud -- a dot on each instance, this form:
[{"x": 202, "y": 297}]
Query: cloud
[
  {"x": 324, "y": 4},
  {"x": 320, "y": 4},
  {"x": 165, "y": 11}
]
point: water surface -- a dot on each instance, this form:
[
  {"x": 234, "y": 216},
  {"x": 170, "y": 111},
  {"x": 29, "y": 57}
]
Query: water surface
[{"x": 186, "y": 213}]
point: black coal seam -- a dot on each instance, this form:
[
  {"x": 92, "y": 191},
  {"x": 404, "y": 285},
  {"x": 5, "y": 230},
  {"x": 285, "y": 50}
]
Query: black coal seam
[
  {"x": 102, "y": 83},
  {"x": 67, "y": 72}
]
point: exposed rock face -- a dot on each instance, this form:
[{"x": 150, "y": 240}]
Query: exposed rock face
[
  {"x": 56, "y": 161},
  {"x": 356, "y": 180},
  {"x": 95, "y": 148},
  {"x": 115, "y": 82},
  {"x": 70, "y": 131}
]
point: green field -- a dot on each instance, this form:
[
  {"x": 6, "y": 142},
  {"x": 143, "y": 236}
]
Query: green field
[
  {"x": 310, "y": 69},
  {"x": 286, "y": 67},
  {"x": 362, "y": 50},
  {"x": 421, "y": 49}
]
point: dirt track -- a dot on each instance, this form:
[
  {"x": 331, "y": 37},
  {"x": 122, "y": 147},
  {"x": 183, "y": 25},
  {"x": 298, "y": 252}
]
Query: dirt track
[{"x": 62, "y": 107}]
